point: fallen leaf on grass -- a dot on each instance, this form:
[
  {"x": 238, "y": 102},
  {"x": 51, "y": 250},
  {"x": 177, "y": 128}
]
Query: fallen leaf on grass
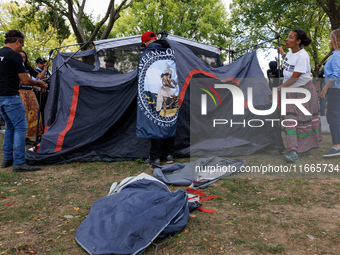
[
  {"x": 277, "y": 211},
  {"x": 21, "y": 232},
  {"x": 49, "y": 240},
  {"x": 9, "y": 204},
  {"x": 310, "y": 237},
  {"x": 76, "y": 208},
  {"x": 68, "y": 216},
  {"x": 205, "y": 239}
]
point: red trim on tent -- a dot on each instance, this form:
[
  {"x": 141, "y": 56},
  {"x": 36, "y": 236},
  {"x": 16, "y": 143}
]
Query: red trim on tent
[
  {"x": 196, "y": 71},
  {"x": 69, "y": 124},
  {"x": 187, "y": 82}
]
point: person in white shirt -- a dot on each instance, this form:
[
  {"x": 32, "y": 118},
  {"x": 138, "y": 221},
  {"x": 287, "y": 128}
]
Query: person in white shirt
[{"x": 303, "y": 133}]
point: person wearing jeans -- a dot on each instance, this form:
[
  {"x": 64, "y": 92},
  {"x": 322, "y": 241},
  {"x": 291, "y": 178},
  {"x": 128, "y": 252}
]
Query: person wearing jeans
[{"x": 12, "y": 110}]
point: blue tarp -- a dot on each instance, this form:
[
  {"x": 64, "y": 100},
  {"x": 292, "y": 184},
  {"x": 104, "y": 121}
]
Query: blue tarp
[{"x": 127, "y": 222}]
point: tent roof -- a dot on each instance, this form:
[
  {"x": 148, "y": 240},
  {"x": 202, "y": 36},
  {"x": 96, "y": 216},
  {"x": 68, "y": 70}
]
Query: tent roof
[{"x": 135, "y": 40}]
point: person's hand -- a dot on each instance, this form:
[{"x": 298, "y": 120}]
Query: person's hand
[
  {"x": 47, "y": 64},
  {"x": 271, "y": 95},
  {"x": 41, "y": 90},
  {"x": 323, "y": 93},
  {"x": 43, "y": 85},
  {"x": 280, "y": 50}
]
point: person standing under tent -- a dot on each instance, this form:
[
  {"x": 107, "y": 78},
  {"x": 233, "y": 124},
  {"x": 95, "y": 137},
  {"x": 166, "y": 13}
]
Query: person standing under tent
[
  {"x": 273, "y": 75},
  {"x": 110, "y": 65},
  {"x": 12, "y": 71},
  {"x": 303, "y": 133},
  {"x": 332, "y": 89},
  {"x": 150, "y": 78},
  {"x": 30, "y": 102},
  {"x": 42, "y": 68}
]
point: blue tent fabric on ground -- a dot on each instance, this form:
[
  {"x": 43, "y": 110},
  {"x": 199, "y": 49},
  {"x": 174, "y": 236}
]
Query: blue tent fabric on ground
[
  {"x": 127, "y": 222},
  {"x": 184, "y": 174}
]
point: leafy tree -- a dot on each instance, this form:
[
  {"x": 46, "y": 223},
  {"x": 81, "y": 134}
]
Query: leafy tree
[
  {"x": 83, "y": 25},
  {"x": 264, "y": 19},
  {"x": 332, "y": 9},
  {"x": 204, "y": 20},
  {"x": 41, "y": 34}
]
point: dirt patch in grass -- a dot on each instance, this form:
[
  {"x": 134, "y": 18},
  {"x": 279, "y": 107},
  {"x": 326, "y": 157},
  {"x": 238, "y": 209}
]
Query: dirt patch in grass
[{"x": 40, "y": 212}]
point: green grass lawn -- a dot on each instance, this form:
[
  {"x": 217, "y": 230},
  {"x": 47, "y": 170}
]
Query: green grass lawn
[{"x": 254, "y": 213}]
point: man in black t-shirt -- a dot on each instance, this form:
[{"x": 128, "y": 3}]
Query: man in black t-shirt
[{"x": 12, "y": 110}]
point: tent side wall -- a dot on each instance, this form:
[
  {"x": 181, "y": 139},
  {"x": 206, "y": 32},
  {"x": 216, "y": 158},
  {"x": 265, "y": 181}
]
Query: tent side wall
[{"x": 94, "y": 111}]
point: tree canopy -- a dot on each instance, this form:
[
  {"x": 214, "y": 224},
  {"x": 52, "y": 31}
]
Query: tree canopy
[
  {"x": 203, "y": 20},
  {"x": 249, "y": 23},
  {"x": 43, "y": 29},
  {"x": 84, "y": 25},
  {"x": 257, "y": 20}
]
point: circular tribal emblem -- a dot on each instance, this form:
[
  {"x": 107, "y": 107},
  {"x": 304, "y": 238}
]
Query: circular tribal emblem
[{"x": 158, "y": 89}]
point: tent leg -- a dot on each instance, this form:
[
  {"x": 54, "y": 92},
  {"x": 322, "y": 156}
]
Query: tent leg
[{"x": 38, "y": 122}]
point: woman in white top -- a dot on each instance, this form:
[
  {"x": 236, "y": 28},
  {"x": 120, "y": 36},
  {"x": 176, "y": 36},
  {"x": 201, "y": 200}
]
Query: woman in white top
[{"x": 303, "y": 133}]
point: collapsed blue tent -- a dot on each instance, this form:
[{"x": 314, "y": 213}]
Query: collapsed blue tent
[
  {"x": 91, "y": 111},
  {"x": 130, "y": 220}
]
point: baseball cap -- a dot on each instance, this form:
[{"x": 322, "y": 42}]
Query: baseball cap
[
  {"x": 147, "y": 36},
  {"x": 40, "y": 60}
]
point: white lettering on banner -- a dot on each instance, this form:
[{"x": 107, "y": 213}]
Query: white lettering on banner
[
  {"x": 153, "y": 54},
  {"x": 249, "y": 122},
  {"x": 238, "y": 100},
  {"x": 2, "y": 58}
]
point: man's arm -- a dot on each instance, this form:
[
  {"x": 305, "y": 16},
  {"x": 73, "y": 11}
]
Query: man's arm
[
  {"x": 44, "y": 70},
  {"x": 25, "y": 79}
]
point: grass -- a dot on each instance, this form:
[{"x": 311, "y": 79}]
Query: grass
[{"x": 254, "y": 214}]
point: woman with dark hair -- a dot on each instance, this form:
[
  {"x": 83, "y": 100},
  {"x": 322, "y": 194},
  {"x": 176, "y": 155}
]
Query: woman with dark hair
[
  {"x": 332, "y": 89},
  {"x": 30, "y": 102},
  {"x": 303, "y": 132}
]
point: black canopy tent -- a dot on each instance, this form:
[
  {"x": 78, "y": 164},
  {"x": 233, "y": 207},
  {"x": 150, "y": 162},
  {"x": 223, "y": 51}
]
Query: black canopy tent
[{"x": 92, "y": 111}]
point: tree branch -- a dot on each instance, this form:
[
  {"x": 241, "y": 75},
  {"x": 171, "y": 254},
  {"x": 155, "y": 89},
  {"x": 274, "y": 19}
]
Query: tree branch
[
  {"x": 64, "y": 12},
  {"x": 114, "y": 15}
]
